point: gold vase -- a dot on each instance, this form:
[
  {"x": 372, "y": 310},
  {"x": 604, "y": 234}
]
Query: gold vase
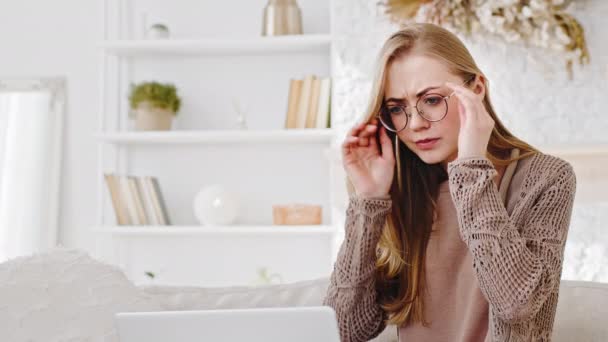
[{"x": 282, "y": 17}]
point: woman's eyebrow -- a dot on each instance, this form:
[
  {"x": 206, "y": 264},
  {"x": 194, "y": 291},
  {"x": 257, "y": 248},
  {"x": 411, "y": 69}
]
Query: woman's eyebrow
[{"x": 420, "y": 93}]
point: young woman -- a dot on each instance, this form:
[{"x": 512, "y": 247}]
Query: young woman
[{"x": 457, "y": 231}]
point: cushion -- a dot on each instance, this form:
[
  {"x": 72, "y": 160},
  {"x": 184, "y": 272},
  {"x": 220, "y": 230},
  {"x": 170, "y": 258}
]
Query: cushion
[
  {"x": 65, "y": 295},
  {"x": 582, "y": 312},
  {"x": 302, "y": 293}
]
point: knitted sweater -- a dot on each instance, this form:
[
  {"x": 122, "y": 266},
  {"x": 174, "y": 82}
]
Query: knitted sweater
[{"x": 516, "y": 249}]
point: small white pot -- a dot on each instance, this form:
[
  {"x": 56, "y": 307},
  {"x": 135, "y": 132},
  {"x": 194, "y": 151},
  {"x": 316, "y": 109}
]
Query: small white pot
[{"x": 149, "y": 118}]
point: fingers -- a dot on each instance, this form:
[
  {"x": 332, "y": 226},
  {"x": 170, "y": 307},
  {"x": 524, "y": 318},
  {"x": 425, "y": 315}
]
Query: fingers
[
  {"x": 348, "y": 143},
  {"x": 354, "y": 140},
  {"x": 367, "y": 137},
  {"x": 365, "y": 131},
  {"x": 386, "y": 144},
  {"x": 356, "y": 129},
  {"x": 470, "y": 107},
  {"x": 352, "y": 137},
  {"x": 361, "y": 135},
  {"x": 463, "y": 90},
  {"x": 466, "y": 106},
  {"x": 467, "y": 98},
  {"x": 371, "y": 133}
]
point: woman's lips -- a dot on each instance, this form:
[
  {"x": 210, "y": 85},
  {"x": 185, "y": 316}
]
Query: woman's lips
[{"x": 427, "y": 144}]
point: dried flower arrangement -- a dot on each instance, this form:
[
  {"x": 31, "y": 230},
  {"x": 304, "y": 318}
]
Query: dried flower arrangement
[{"x": 542, "y": 23}]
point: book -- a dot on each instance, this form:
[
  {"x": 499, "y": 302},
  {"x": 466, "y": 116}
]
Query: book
[
  {"x": 129, "y": 198},
  {"x": 295, "y": 87},
  {"x": 311, "y": 117},
  {"x": 161, "y": 200},
  {"x": 118, "y": 202},
  {"x": 324, "y": 107},
  {"x": 155, "y": 206},
  {"x": 158, "y": 201},
  {"x": 328, "y": 123},
  {"x": 146, "y": 197},
  {"x": 137, "y": 198},
  {"x": 157, "y": 211},
  {"x": 304, "y": 101}
]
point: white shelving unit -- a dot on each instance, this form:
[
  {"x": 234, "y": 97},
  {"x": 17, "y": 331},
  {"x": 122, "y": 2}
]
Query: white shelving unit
[
  {"x": 575, "y": 150},
  {"x": 220, "y": 47},
  {"x": 217, "y": 230},
  {"x": 295, "y": 136},
  {"x": 206, "y": 150}
]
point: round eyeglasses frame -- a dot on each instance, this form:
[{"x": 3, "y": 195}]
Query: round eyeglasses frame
[{"x": 409, "y": 115}]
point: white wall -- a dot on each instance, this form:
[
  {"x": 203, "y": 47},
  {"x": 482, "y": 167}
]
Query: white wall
[{"x": 56, "y": 38}]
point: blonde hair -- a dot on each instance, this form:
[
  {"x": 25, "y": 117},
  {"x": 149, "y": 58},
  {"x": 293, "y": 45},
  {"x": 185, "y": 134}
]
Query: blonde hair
[{"x": 401, "y": 250}]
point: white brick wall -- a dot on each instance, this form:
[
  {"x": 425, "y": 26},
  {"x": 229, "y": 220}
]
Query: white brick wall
[{"x": 531, "y": 93}]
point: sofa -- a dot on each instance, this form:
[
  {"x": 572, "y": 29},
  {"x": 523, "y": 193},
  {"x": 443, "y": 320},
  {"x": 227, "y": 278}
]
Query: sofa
[{"x": 65, "y": 295}]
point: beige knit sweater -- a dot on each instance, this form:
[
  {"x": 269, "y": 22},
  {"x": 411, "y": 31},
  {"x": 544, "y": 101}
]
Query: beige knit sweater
[{"x": 517, "y": 248}]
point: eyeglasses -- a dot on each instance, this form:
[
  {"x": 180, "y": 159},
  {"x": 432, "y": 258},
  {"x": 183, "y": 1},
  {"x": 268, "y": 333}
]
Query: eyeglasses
[{"x": 432, "y": 107}]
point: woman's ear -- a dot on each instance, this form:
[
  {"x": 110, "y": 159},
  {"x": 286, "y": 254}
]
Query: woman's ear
[{"x": 480, "y": 86}]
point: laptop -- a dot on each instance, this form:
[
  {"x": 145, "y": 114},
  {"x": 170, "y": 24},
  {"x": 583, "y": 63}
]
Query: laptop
[{"x": 295, "y": 324}]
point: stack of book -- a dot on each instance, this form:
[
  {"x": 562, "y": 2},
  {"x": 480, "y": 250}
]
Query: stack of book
[
  {"x": 137, "y": 200},
  {"x": 309, "y": 103}
]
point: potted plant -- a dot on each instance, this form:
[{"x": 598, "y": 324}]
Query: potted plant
[{"x": 154, "y": 105}]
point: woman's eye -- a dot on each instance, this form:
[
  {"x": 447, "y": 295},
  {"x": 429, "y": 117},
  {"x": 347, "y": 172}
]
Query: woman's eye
[
  {"x": 395, "y": 110},
  {"x": 432, "y": 100}
]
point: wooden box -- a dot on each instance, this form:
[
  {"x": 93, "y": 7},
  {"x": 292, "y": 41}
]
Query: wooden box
[{"x": 296, "y": 214}]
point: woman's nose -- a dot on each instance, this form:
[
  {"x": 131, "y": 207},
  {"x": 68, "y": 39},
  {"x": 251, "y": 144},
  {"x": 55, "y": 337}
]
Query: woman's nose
[{"x": 417, "y": 121}]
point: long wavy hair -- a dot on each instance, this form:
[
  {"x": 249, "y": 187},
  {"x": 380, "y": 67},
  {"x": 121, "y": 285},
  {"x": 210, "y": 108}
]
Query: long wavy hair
[{"x": 400, "y": 271}]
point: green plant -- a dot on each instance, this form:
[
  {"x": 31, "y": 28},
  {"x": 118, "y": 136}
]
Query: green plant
[{"x": 159, "y": 95}]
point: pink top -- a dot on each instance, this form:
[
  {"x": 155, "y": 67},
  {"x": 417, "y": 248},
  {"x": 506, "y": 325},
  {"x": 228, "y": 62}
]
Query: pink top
[{"x": 454, "y": 305}]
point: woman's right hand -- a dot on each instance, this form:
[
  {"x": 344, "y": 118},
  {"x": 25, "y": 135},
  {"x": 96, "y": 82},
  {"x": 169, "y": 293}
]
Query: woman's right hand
[{"x": 370, "y": 166}]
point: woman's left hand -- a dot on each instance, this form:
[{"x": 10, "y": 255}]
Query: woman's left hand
[{"x": 476, "y": 124}]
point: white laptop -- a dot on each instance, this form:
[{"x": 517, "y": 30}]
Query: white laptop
[{"x": 294, "y": 324}]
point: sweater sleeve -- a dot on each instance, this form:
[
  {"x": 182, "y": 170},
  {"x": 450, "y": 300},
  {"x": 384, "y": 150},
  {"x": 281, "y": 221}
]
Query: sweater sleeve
[
  {"x": 518, "y": 266},
  {"x": 351, "y": 292}
]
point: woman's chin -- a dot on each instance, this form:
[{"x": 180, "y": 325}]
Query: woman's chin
[{"x": 430, "y": 156}]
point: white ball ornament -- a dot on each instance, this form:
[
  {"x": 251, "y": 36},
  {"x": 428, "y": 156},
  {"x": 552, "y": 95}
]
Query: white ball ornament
[{"x": 216, "y": 205}]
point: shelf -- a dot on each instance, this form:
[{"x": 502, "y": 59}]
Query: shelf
[
  {"x": 293, "y": 136},
  {"x": 574, "y": 149},
  {"x": 220, "y": 46},
  {"x": 215, "y": 230}
]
